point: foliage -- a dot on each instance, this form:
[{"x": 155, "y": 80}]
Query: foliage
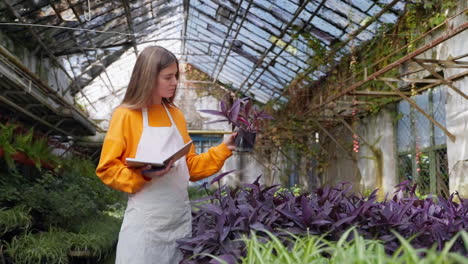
[
  {"x": 390, "y": 43},
  {"x": 96, "y": 235},
  {"x": 47, "y": 212},
  {"x": 350, "y": 248},
  {"x": 233, "y": 213},
  {"x": 283, "y": 191},
  {"x": 11, "y": 185},
  {"x": 197, "y": 192},
  {"x": 13, "y": 140},
  {"x": 242, "y": 114},
  {"x": 15, "y": 218},
  {"x": 65, "y": 199},
  {"x": 6, "y": 139},
  {"x": 46, "y": 247}
]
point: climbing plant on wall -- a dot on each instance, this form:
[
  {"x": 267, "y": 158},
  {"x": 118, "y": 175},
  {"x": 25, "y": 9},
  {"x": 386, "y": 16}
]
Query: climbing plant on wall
[{"x": 293, "y": 126}]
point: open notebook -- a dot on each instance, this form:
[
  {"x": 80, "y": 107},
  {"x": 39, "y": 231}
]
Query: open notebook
[{"x": 133, "y": 162}]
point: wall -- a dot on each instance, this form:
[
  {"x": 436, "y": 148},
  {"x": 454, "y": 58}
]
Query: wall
[
  {"x": 41, "y": 66},
  {"x": 456, "y": 106},
  {"x": 379, "y": 129},
  {"x": 377, "y": 162},
  {"x": 457, "y": 109}
]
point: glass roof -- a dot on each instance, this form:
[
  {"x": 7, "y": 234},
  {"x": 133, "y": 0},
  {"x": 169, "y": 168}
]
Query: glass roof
[{"x": 256, "y": 47}]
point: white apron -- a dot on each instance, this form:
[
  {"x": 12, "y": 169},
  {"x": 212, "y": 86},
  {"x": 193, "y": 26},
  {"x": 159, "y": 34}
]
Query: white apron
[{"x": 160, "y": 213}]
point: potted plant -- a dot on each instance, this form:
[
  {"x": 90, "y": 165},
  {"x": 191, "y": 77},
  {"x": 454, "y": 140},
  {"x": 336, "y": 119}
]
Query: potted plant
[{"x": 245, "y": 118}]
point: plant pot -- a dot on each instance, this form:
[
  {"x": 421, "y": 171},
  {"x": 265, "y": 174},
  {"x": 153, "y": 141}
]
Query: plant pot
[
  {"x": 245, "y": 141},
  {"x": 20, "y": 157}
]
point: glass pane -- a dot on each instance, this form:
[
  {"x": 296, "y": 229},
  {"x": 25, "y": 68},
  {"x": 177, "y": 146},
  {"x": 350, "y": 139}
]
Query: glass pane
[
  {"x": 442, "y": 176},
  {"x": 404, "y": 135},
  {"x": 424, "y": 175},
  {"x": 438, "y": 98},
  {"x": 405, "y": 167},
  {"x": 423, "y": 125}
]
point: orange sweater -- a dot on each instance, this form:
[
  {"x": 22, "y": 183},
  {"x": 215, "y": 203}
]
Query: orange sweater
[{"x": 122, "y": 139}]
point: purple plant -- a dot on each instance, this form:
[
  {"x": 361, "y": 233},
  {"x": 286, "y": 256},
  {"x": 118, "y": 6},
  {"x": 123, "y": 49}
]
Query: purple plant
[
  {"x": 242, "y": 114},
  {"x": 232, "y": 213}
]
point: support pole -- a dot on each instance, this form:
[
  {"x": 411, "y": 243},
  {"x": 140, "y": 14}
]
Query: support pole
[
  {"x": 334, "y": 139},
  {"x": 352, "y": 130},
  {"x": 441, "y": 78},
  {"x": 398, "y": 62},
  {"x": 450, "y": 135}
]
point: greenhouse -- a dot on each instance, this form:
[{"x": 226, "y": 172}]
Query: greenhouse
[{"x": 233, "y": 131}]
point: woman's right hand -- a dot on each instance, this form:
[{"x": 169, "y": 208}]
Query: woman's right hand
[{"x": 157, "y": 173}]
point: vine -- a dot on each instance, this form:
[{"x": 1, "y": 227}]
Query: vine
[{"x": 291, "y": 125}]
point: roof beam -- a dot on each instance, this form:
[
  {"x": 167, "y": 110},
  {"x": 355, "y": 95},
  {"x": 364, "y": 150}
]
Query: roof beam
[
  {"x": 331, "y": 55},
  {"x": 42, "y": 44},
  {"x": 102, "y": 64},
  {"x": 415, "y": 105},
  {"x": 227, "y": 36},
  {"x": 186, "y": 7},
  {"x": 232, "y": 41},
  {"x": 441, "y": 78},
  {"x": 287, "y": 44},
  {"x": 396, "y": 63},
  {"x": 131, "y": 29},
  {"x": 283, "y": 32}
]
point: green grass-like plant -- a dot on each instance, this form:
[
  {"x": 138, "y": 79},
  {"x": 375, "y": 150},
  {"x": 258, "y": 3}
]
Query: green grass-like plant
[
  {"x": 15, "y": 218},
  {"x": 351, "y": 248},
  {"x": 45, "y": 247},
  {"x": 95, "y": 237}
]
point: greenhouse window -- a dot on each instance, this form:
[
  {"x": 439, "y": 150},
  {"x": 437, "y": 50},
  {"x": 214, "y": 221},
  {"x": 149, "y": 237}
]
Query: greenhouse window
[{"x": 422, "y": 150}]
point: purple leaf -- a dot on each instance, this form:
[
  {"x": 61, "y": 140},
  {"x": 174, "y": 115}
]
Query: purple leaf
[
  {"x": 220, "y": 176},
  {"x": 235, "y": 109},
  {"x": 217, "y": 121},
  {"x": 243, "y": 120},
  {"x": 213, "y": 112},
  {"x": 212, "y": 208},
  {"x": 321, "y": 222},
  {"x": 306, "y": 211},
  {"x": 223, "y": 107}
]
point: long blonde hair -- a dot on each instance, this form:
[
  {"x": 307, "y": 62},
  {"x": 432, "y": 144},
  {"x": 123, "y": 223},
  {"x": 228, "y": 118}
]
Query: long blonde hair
[{"x": 151, "y": 61}]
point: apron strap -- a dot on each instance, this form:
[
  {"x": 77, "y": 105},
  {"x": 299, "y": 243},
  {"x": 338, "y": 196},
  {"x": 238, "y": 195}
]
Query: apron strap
[
  {"x": 169, "y": 114},
  {"x": 144, "y": 112}
]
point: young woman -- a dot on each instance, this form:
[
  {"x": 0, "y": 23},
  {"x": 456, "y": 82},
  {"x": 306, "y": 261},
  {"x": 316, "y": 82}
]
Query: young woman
[{"x": 146, "y": 126}]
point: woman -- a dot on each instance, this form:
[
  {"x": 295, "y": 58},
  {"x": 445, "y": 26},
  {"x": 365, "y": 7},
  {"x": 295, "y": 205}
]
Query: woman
[{"x": 146, "y": 126}]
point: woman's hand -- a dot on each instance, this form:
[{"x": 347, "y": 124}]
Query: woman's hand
[
  {"x": 157, "y": 173},
  {"x": 230, "y": 141}
]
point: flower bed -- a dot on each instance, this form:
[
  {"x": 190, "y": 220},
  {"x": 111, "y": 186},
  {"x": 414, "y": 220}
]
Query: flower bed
[{"x": 229, "y": 214}]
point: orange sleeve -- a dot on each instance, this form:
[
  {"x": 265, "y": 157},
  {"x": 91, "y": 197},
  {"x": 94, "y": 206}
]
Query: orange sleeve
[
  {"x": 205, "y": 164},
  {"x": 111, "y": 168}
]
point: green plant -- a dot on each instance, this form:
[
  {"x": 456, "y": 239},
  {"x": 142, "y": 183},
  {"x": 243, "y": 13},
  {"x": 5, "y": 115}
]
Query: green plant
[
  {"x": 45, "y": 247},
  {"x": 350, "y": 248},
  {"x": 11, "y": 186},
  {"x": 295, "y": 190},
  {"x": 36, "y": 149},
  {"x": 196, "y": 192},
  {"x": 97, "y": 235},
  {"x": 6, "y": 139},
  {"x": 13, "y": 141},
  {"x": 17, "y": 217}
]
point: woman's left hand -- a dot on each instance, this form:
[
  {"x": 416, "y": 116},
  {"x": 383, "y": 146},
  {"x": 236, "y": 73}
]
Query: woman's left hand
[{"x": 230, "y": 141}]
